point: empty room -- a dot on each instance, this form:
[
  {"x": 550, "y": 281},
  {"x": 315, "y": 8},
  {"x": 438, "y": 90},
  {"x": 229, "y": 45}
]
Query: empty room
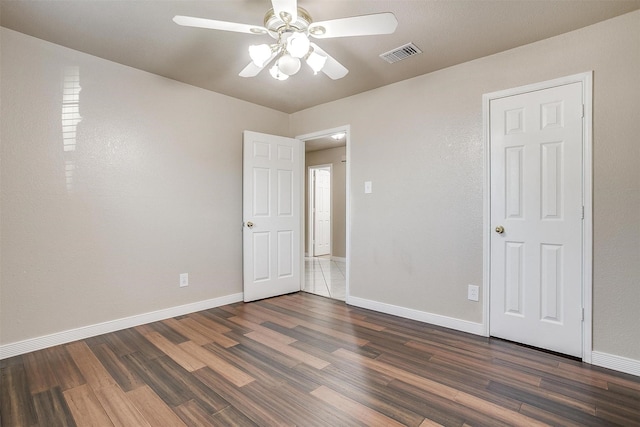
[{"x": 319, "y": 213}]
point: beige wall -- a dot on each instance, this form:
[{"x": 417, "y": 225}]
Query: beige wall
[
  {"x": 417, "y": 239},
  {"x": 155, "y": 191},
  {"x": 332, "y": 156}
]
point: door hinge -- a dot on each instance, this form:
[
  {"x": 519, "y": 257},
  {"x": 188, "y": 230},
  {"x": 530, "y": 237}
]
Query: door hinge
[
  {"x": 582, "y": 110},
  {"x": 582, "y": 213},
  {"x": 583, "y": 314}
]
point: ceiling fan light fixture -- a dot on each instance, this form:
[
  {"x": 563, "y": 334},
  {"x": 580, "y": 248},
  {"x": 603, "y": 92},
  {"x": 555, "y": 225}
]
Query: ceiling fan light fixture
[
  {"x": 276, "y": 73},
  {"x": 292, "y": 27},
  {"x": 338, "y": 136},
  {"x": 316, "y": 61},
  {"x": 286, "y": 17},
  {"x": 298, "y": 44},
  {"x": 288, "y": 65},
  {"x": 260, "y": 54},
  {"x": 317, "y": 30}
]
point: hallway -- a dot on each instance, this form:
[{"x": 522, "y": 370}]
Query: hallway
[{"x": 325, "y": 277}]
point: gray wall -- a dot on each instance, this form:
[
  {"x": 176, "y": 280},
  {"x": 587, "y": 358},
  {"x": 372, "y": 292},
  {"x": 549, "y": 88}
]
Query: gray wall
[
  {"x": 155, "y": 191},
  {"x": 417, "y": 239},
  {"x": 331, "y": 156}
]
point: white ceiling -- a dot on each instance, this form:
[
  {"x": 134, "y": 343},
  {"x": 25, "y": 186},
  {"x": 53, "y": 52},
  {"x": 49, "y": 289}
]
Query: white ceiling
[{"x": 141, "y": 34}]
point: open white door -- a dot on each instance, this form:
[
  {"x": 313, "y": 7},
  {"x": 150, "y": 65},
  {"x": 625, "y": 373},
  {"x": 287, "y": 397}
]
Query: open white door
[{"x": 271, "y": 188}]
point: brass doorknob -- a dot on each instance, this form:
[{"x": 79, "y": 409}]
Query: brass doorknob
[
  {"x": 499, "y": 229},
  {"x": 249, "y": 224}
]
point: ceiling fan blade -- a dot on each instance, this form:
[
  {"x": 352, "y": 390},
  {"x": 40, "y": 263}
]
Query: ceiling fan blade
[
  {"x": 288, "y": 6},
  {"x": 364, "y": 25},
  {"x": 212, "y": 24},
  {"x": 252, "y": 70},
  {"x": 332, "y": 67}
]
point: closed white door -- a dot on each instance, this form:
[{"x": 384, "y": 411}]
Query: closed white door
[
  {"x": 536, "y": 218},
  {"x": 271, "y": 213},
  {"x": 322, "y": 215}
]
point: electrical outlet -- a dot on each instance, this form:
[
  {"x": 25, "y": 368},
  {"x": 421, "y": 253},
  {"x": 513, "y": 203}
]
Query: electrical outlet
[
  {"x": 473, "y": 293},
  {"x": 184, "y": 280}
]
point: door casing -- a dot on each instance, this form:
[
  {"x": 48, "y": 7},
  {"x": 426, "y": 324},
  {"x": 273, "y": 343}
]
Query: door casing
[
  {"x": 328, "y": 132},
  {"x": 587, "y": 190}
]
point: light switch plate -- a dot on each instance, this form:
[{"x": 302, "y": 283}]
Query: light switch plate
[{"x": 367, "y": 187}]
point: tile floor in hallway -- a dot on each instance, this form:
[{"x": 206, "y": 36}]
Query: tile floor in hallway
[{"x": 325, "y": 277}]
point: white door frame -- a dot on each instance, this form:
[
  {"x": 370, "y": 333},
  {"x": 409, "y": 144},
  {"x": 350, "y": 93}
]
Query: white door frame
[
  {"x": 314, "y": 135},
  {"x": 587, "y": 191},
  {"x": 311, "y": 223}
]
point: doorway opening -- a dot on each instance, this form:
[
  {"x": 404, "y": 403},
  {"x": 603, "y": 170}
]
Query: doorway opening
[
  {"x": 326, "y": 213},
  {"x": 319, "y": 228}
]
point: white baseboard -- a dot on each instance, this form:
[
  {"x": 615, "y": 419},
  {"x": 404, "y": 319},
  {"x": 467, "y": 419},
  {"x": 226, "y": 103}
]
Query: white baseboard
[
  {"x": 610, "y": 361},
  {"x": 617, "y": 363},
  {"x": 338, "y": 258},
  {"x": 421, "y": 316},
  {"x": 33, "y": 344}
]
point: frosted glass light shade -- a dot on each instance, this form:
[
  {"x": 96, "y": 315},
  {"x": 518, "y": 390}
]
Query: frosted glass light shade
[
  {"x": 276, "y": 73},
  {"x": 298, "y": 45},
  {"x": 259, "y": 54},
  {"x": 288, "y": 64},
  {"x": 316, "y": 61}
]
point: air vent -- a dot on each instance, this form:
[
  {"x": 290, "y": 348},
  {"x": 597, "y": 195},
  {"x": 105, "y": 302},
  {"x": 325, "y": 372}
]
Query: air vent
[{"x": 400, "y": 53}]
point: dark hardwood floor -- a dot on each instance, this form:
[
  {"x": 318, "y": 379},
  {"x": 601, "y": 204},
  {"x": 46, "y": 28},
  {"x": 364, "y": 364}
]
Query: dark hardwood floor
[{"x": 305, "y": 360}]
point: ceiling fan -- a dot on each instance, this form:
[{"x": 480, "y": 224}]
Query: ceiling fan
[{"x": 291, "y": 26}]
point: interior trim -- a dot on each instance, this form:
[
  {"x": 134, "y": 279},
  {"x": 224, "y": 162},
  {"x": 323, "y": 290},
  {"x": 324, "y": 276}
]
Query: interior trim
[
  {"x": 618, "y": 363},
  {"x": 327, "y": 132},
  {"x": 38, "y": 343},
  {"x": 421, "y": 316}
]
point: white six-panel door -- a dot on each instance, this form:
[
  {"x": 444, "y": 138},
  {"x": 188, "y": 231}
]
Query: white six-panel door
[
  {"x": 536, "y": 218},
  {"x": 322, "y": 214},
  {"x": 271, "y": 215}
]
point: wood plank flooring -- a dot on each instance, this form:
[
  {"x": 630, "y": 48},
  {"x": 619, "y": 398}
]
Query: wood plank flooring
[{"x": 305, "y": 360}]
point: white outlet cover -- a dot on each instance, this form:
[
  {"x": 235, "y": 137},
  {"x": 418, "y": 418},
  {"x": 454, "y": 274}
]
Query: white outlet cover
[
  {"x": 473, "y": 293},
  {"x": 184, "y": 279}
]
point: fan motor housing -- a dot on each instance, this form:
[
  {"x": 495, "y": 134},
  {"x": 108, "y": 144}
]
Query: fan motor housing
[{"x": 278, "y": 24}]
